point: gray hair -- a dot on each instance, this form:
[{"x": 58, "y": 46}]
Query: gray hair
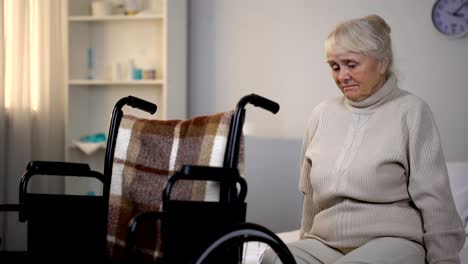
[{"x": 369, "y": 35}]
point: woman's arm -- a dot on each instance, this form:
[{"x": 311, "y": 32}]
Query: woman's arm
[
  {"x": 309, "y": 209},
  {"x": 429, "y": 188}
]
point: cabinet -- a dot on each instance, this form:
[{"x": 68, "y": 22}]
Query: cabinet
[{"x": 100, "y": 47}]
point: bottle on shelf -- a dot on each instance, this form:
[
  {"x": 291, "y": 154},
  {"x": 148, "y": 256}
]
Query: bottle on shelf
[
  {"x": 117, "y": 71},
  {"x": 90, "y": 64},
  {"x": 130, "y": 69}
]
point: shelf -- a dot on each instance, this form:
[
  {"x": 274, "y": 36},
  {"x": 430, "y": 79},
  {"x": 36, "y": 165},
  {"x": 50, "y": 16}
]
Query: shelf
[
  {"x": 114, "y": 18},
  {"x": 88, "y": 148},
  {"x": 109, "y": 82},
  {"x": 152, "y": 39}
]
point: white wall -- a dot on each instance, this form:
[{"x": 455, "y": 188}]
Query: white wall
[{"x": 275, "y": 48}]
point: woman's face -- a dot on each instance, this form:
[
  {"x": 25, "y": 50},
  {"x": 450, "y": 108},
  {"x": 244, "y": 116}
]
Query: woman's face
[{"x": 358, "y": 76}]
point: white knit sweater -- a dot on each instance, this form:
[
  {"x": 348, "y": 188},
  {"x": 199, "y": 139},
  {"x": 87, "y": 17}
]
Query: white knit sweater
[{"x": 376, "y": 168}]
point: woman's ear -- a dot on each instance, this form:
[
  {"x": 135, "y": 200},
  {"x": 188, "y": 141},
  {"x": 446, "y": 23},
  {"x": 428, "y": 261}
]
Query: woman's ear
[{"x": 383, "y": 65}]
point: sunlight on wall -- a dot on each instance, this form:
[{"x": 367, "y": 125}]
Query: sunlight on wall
[
  {"x": 21, "y": 51},
  {"x": 34, "y": 42}
]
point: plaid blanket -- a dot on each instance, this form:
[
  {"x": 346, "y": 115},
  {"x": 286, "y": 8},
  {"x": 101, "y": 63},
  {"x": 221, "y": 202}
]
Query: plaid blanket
[{"x": 147, "y": 153}]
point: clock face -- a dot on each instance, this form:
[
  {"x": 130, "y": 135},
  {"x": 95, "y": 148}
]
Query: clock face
[{"x": 450, "y": 17}]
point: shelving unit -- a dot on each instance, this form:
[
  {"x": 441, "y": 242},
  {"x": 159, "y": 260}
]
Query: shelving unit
[
  {"x": 115, "y": 18},
  {"x": 154, "y": 40},
  {"x": 110, "y": 82}
]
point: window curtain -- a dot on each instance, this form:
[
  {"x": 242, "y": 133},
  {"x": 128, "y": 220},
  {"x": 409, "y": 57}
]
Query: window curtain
[{"x": 32, "y": 101}]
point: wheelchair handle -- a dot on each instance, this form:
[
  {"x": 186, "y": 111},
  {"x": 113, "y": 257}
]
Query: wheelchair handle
[
  {"x": 260, "y": 101},
  {"x": 141, "y": 104},
  {"x": 231, "y": 157},
  {"x": 117, "y": 114}
]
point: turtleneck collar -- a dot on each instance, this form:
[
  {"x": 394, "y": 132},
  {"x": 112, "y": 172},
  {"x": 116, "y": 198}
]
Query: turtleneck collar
[{"x": 389, "y": 86}]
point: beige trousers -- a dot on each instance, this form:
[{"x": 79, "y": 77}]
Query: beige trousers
[{"x": 386, "y": 250}]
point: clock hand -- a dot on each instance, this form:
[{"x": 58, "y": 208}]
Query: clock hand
[{"x": 455, "y": 13}]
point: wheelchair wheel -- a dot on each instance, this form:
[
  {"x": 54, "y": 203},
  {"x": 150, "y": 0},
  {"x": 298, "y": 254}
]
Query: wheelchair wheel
[{"x": 246, "y": 232}]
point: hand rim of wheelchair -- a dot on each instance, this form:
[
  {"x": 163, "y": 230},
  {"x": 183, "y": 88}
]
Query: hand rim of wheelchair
[{"x": 246, "y": 232}]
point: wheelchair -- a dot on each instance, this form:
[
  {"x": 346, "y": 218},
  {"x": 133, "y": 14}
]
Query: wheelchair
[{"x": 75, "y": 228}]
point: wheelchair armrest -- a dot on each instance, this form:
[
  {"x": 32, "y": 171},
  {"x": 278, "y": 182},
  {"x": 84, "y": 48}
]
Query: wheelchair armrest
[
  {"x": 206, "y": 173},
  {"x": 53, "y": 168},
  {"x": 58, "y": 168},
  {"x": 197, "y": 172}
]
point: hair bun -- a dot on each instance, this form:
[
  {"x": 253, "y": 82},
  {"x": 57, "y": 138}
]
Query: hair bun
[{"x": 379, "y": 22}]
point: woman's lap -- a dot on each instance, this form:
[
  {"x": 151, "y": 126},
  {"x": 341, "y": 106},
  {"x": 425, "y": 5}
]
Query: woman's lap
[
  {"x": 380, "y": 250},
  {"x": 387, "y": 250},
  {"x": 307, "y": 251}
]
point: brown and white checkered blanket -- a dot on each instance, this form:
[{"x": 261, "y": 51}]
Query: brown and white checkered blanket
[{"x": 147, "y": 153}]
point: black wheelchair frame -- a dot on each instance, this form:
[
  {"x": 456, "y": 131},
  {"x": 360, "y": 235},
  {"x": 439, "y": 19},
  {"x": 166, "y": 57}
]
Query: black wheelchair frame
[{"x": 73, "y": 228}]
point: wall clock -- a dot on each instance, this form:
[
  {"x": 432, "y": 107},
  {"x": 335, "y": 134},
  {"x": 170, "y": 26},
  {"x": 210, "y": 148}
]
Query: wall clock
[{"x": 450, "y": 17}]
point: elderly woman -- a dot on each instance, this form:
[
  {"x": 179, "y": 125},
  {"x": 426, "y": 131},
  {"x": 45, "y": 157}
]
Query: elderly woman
[{"x": 373, "y": 173}]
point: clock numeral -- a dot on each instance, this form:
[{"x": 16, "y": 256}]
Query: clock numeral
[
  {"x": 454, "y": 29},
  {"x": 439, "y": 23}
]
